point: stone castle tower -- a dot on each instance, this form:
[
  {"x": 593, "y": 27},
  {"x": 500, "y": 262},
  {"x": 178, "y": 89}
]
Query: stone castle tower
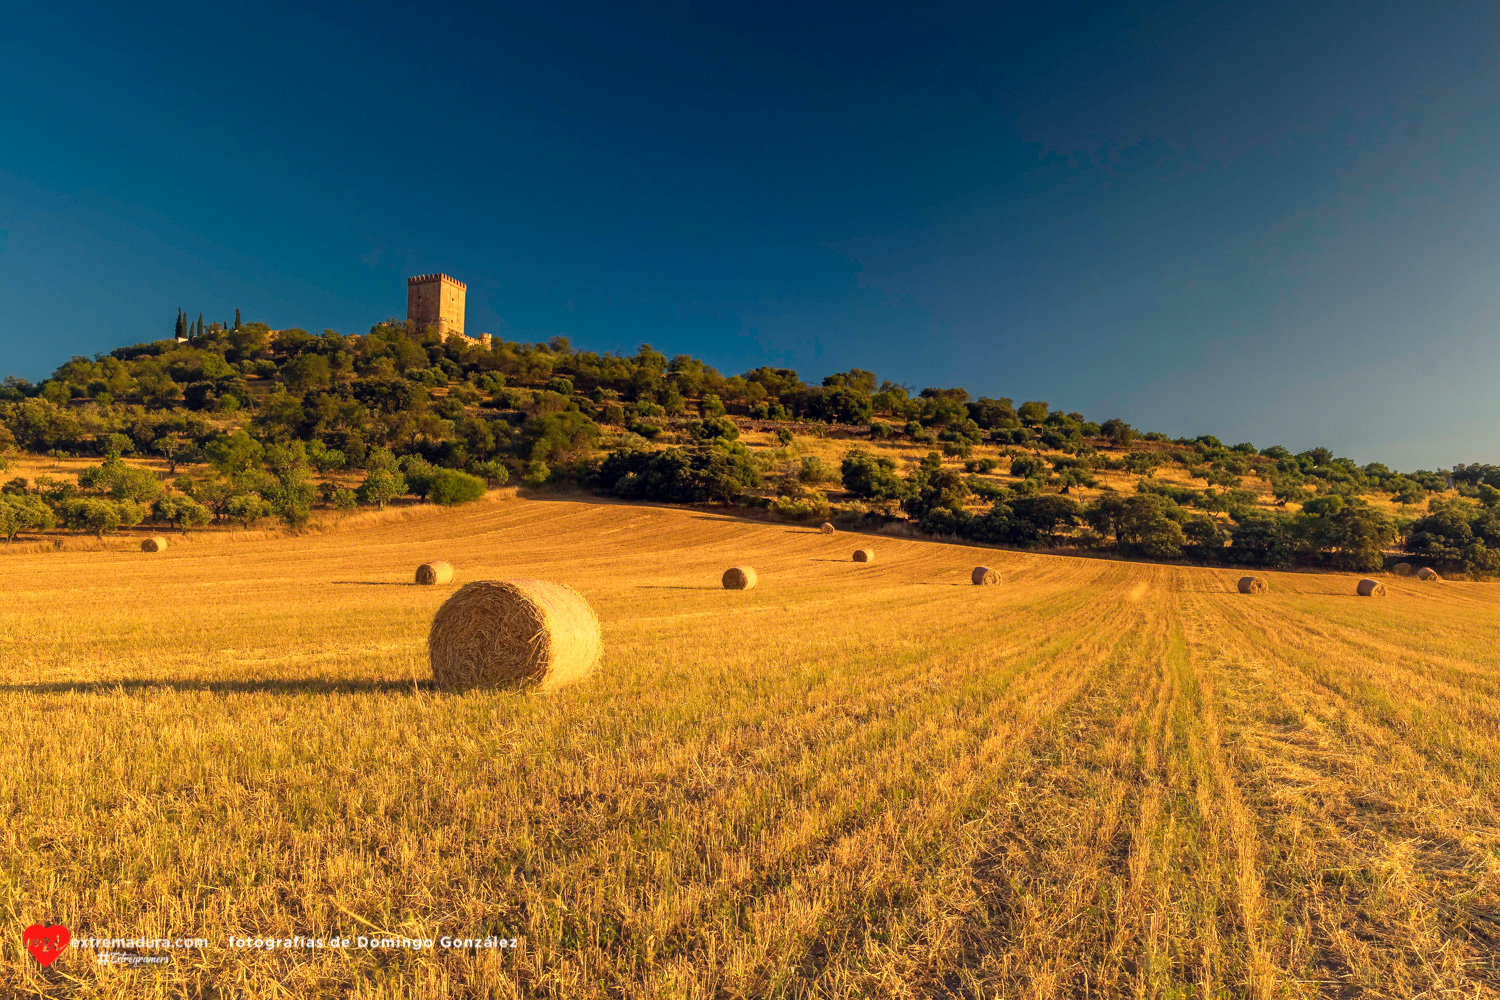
[{"x": 436, "y": 300}]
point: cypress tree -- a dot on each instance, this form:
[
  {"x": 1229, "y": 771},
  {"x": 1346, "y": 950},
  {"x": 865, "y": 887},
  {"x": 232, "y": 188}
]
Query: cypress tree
[
  {"x": 180, "y": 330},
  {"x": 200, "y": 325},
  {"x": 236, "y": 317}
]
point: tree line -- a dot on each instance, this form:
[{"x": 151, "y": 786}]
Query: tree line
[{"x": 411, "y": 411}]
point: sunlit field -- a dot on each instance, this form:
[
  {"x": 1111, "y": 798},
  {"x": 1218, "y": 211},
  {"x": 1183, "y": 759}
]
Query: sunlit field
[{"x": 1097, "y": 779}]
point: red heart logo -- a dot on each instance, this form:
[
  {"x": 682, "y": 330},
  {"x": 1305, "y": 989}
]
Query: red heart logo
[{"x": 46, "y": 943}]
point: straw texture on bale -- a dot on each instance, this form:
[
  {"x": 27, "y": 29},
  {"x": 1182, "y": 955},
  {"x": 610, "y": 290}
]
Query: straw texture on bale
[
  {"x": 864, "y": 555},
  {"x": 827, "y": 528},
  {"x": 1402, "y": 569},
  {"x": 434, "y": 572},
  {"x": 513, "y": 633},
  {"x": 739, "y": 578},
  {"x": 1371, "y": 588},
  {"x": 984, "y": 576},
  {"x": 154, "y": 544},
  {"x": 1427, "y": 573},
  {"x": 1253, "y": 585}
]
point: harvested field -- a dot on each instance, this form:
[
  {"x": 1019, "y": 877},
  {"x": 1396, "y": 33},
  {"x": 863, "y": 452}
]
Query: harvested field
[{"x": 1102, "y": 779}]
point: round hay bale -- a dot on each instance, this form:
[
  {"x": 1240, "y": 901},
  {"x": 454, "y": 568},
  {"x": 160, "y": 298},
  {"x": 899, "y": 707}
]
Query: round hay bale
[
  {"x": 154, "y": 544},
  {"x": 1253, "y": 585},
  {"x": 1427, "y": 573},
  {"x": 1402, "y": 569},
  {"x": 983, "y": 576},
  {"x": 1371, "y": 588},
  {"x": 826, "y": 528},
  {"x": 864, "y": 555},
  {"x": 434, "y": 572},
  {"x": 513, "y": 633},
  {"x": 739, "y": 578}
]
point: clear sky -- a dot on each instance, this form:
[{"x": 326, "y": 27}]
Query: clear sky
[{"x": 1269, "y": 222}]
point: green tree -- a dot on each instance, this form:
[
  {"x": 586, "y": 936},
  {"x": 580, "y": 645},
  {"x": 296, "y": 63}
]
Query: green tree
[
  {"x": 344, "y": 500},
  {"x": 246, "y": 508},
  {"x": 1120, "y": 433},
  {"x": 869, "y": 477},
  {"x": 381, "y": 486},
  {"x": 234, "y": 452},
  {"x": 23, "y": 512},
  {"x": 493, "y": 471},
  {"x": 102, "y": 516},
  {"x": 119, "y": 481},
  {"x": 1027, "y": 466},
  {"x": 935, "y": 489},
  {"x": 180, "y": 512},
  {"x": 307, "y": 372},
  {"x": 1046, "y": 513},
  {"x": 1032, "y": 413},
  {"x": 559, "y": 437}
]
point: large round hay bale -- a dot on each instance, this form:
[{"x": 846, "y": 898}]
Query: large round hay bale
[
  {"x": 1371, "y": 588},
  {"x": 739, "y": 578},
  {"x": 1253, "y": 585},
  {"x": 826, "y": 528},
  {"x": 983, "y": 576},
  {"x": 1402, "y": 569},
  {"x": 1427, "y": 573},
  {"x": 864, "y": 555},
  {"x": 434, "y": 572},
  {"x": 513, "y": 633},
  {"x": 155, "y": 543}
]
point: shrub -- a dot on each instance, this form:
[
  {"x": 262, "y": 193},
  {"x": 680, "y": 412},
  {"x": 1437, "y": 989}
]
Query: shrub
[
  {"x": 812, "y": 471},
  {"x": 813, "y": 507},
  {"x": 713, "y": 429},
  {"x": 449, "y": 487}
]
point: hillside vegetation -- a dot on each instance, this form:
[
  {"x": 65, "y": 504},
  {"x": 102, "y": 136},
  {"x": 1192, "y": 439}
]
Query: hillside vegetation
[
  {"x": 1099, "y": 778},
  {"x": 251, "y": 424}
]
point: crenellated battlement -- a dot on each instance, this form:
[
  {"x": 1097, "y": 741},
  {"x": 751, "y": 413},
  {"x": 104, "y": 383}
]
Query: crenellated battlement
[{"x": 422, "y": 279}]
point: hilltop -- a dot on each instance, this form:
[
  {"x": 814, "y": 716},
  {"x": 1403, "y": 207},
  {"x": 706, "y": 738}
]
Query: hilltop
[{"x": 238, "y": 423}]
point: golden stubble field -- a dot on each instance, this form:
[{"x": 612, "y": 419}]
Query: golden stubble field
[{"x": 1098, "y": 779}]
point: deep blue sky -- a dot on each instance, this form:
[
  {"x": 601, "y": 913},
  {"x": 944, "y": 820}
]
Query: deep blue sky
[{"x": 1275, "y": 224}]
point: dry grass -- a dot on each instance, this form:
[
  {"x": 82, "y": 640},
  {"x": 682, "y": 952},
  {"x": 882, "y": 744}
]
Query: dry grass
[{"x": 1118, "y": 780}]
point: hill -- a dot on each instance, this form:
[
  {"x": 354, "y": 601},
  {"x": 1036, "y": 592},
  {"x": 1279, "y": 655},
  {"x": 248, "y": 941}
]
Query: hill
[
  {"x": 875, "y": 780},
  {"x": 251, "y": 423}
]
